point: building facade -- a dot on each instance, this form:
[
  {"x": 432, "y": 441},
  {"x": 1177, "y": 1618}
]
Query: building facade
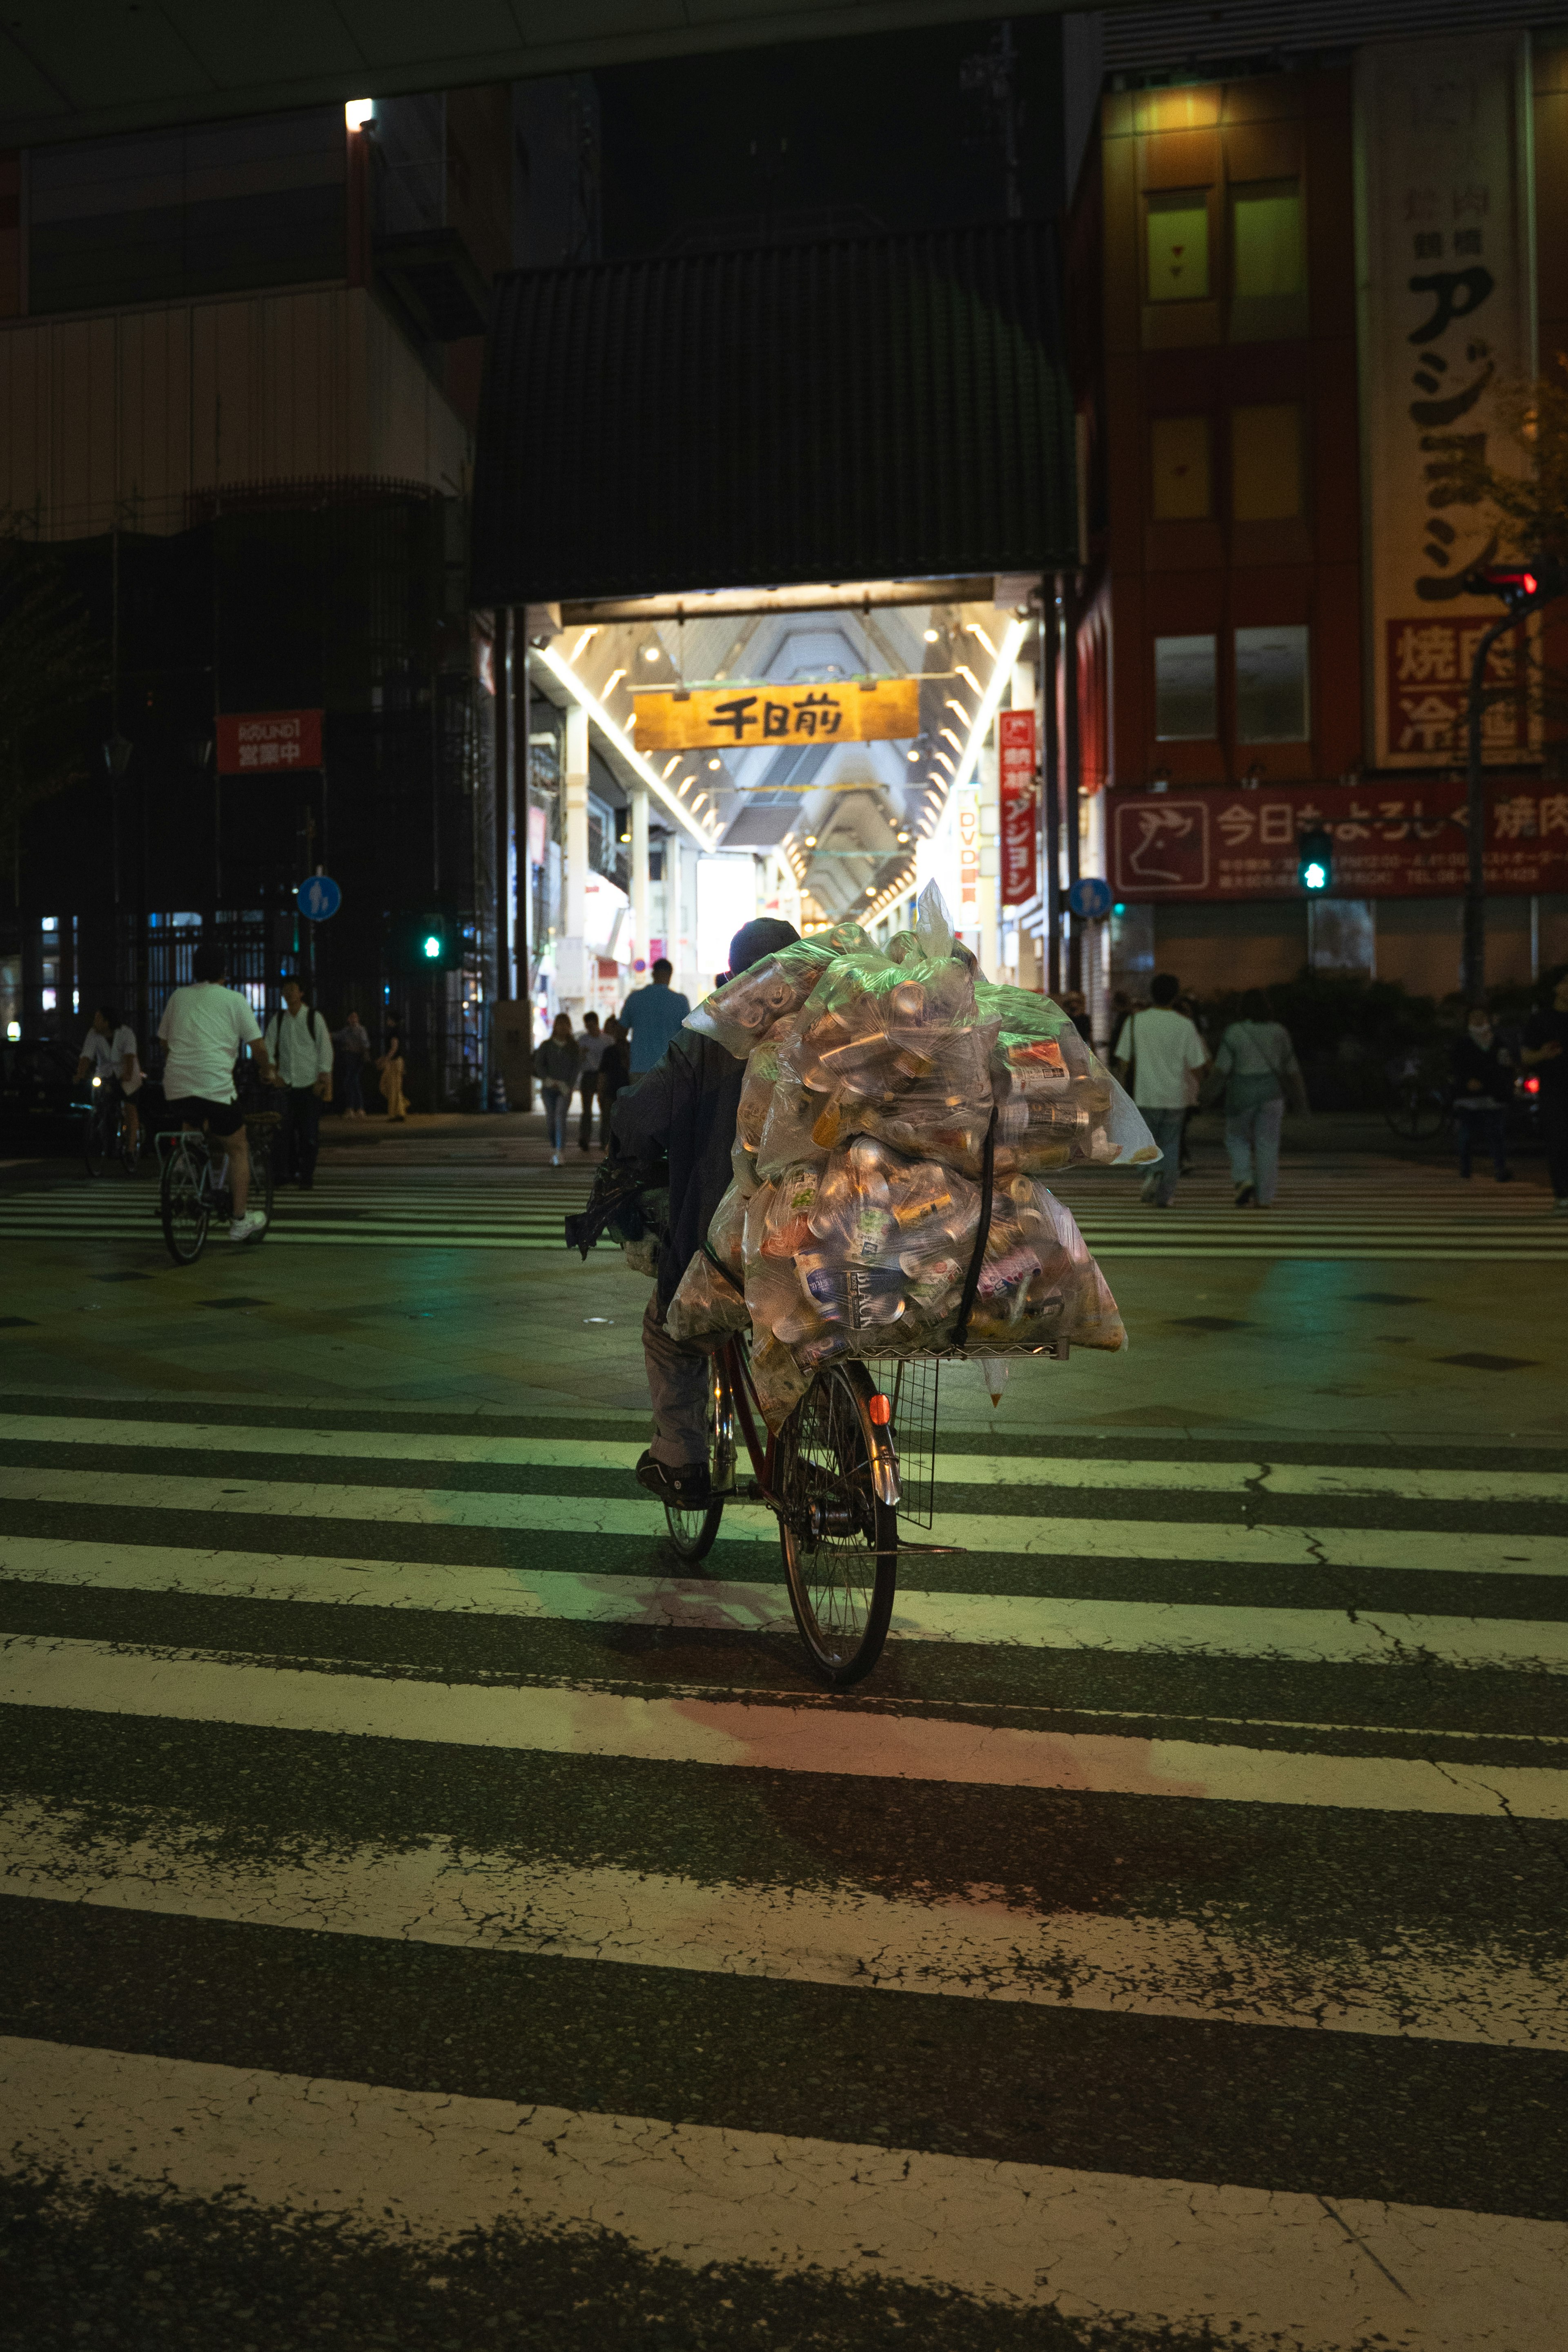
[{"x": 1274, "y": 270}]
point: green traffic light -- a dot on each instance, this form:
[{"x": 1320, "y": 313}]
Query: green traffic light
[
  {"x": 432, "y": 945},
  {"x": 1315, "y": 875}
]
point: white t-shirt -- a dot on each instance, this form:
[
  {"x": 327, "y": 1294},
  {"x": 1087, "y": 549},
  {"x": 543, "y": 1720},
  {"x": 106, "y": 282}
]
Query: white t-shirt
[
  {"x": 204, "y": 1027},
  {"x": 108, "y": 1054},
  {"x": 1166, "y": 1053}
]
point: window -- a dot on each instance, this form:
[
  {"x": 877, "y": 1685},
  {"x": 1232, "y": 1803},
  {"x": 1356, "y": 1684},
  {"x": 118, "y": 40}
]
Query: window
[
  {"x": 1269, "y": 258},
  {"x": 1186, "y": 704},
  {"x": 1178, "y": 246},
  {"x": 1271, "y": 685},
  {"x": 1180, "y": 455},
  {"x": 1266, "y": 464}
]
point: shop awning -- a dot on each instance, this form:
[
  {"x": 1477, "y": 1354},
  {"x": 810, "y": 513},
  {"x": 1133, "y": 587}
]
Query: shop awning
[{"x": 868, "y": 408}]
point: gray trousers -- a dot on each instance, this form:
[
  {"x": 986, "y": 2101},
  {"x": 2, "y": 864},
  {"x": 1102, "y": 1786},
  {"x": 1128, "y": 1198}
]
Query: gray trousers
[
  {"x": 678, "y": 1377},
  {"x": 1253, "y": 1141},
  {"x": 1165, "y": 1126}
]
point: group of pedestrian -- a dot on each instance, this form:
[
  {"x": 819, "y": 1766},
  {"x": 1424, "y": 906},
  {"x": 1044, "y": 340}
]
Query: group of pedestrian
[
  {"x": 596, "y": 1061},
  {"x": 1163, "y": 1061}
]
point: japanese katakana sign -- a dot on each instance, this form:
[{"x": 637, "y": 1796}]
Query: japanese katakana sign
[
  {"x": 1447, "y": 316},
  {"x": 262, "y": 741},
  {"x": 840, "y": 711},
  {"x": 1387, "y": 842},
  {"x": 1018, "y": 807}
]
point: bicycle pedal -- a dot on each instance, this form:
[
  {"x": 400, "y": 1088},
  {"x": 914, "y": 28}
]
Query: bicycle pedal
[{"x": 751, "y": 1491}]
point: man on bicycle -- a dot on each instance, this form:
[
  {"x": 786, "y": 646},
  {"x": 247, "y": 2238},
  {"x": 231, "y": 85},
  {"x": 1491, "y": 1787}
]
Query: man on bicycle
[
  {"x": 686, "y": 1107},
  {"x": 203, "y": 1029},
  {"x": 108, "y": 1052}
]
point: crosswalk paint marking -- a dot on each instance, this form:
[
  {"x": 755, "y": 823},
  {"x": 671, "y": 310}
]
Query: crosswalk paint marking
[
  {"x": 428, "y": 2167},
  {"x": 1097, "y": 1472},
  {"x": 959, "y": 1947},
  {"x": 1417, "y": 1549},
  {"x": 99, "y": 1677},
  {"x": 1127, "y": 1628}
]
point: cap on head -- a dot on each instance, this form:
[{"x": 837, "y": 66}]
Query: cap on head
[{"x": 754, "y": 940}]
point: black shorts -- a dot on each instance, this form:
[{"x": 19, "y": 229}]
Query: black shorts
[{"x": 224, "y": 1118}]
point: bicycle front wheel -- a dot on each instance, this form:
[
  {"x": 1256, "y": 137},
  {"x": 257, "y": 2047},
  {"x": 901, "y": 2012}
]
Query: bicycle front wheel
[
  {"x": 693, "y": 1533},
  {"x": 183, "y": 1205},
  {"x": 839, "y": 1538},
  {"x": 98, "y": 1142}
]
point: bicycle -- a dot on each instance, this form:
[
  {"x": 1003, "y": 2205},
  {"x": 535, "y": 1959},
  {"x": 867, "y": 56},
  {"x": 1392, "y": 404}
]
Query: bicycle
[
  {"x": 109, "y": 1135},
  {"x": 192, "y": 1188}
]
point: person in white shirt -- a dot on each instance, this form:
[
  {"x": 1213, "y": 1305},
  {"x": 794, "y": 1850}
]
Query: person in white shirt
[
  {"x": 299, "y": 1046},
  {"x": 1166, "y": 1057},
  {"x": 204, "y": 1029},
  {"x": 108, "y": 1052}
]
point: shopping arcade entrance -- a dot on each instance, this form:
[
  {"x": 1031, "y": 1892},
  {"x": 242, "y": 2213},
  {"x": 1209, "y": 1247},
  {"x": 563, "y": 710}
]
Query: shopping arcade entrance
[{"x": 890, "y": 416}]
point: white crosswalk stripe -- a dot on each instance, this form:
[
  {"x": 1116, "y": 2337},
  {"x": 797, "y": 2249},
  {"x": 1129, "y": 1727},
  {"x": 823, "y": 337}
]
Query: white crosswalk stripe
[{"x": 1132, "y": 1655}]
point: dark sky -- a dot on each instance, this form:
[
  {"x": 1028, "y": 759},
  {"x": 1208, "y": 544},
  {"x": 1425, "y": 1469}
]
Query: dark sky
[{"x": 880, "y": 125}]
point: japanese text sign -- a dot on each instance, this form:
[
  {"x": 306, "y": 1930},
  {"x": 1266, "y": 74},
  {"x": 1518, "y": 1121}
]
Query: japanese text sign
[
  {"x": 1387, "y": 842},
  {"x": 1428, "y": 674},
  {"x": 838, "y": 711},
  {"x": 1020, "y": 824},
  {"x": 250, "y": 742},
  {"x": 1447, "y": 320}
]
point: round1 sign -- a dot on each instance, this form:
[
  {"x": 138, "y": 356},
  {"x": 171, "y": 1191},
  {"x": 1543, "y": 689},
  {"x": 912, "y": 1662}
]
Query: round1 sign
[{"x": 317, "y": 897}]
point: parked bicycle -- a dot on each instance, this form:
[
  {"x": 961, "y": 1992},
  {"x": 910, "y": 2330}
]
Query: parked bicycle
[
  {"x": 193, "y": 1183},
  {"x": 111, "y": 1137}
]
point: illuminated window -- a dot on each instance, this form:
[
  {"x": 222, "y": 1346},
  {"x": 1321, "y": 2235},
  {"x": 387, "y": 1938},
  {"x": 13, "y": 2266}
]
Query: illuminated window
[
  {"x": 1271, "y": 685},
  {"x": 1178, "y": 246},
  {"x": 1178, "y": 447},
  {"x": 1267, "y": 252},
  {"x": 1185, "y": 703},
  {"x": 1266, "y": 463}
]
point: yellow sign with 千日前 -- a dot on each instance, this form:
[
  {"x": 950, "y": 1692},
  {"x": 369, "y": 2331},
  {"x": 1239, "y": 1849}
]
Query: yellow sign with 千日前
[{"x": 842, "y": 711}]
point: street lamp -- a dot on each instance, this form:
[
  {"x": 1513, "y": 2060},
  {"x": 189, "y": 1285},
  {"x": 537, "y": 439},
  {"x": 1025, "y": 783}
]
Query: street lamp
[{"x": 1524, "y": 588}]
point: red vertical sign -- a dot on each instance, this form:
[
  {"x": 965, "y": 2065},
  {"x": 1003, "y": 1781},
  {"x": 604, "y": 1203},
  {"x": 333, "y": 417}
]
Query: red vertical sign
[{"x": 1020, "y": 826}]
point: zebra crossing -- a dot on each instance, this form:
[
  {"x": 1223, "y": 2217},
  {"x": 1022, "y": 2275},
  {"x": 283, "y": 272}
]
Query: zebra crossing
[
  {"x": 419, "y": 1892},
  {"x": 1386, "y": 1211}
]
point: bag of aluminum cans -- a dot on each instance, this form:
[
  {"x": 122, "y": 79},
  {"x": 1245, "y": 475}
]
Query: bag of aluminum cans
[
  {"x": 740, "y": 1013},
  {"x": 1057, "y": 1103}
]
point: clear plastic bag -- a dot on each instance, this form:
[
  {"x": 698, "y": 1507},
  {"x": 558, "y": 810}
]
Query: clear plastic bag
[
  {"x": 737, "y": 1014},
  {"x": 726, "y": 1232},
  {"x": 707, "y": 1305},
  {"x": 1057, "y": 1104}
]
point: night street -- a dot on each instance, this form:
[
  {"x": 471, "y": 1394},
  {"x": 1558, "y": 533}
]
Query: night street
[{"x": 432, "y": 1919}]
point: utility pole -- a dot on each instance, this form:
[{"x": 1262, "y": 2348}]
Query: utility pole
[{"x": 1524, "y": 588}]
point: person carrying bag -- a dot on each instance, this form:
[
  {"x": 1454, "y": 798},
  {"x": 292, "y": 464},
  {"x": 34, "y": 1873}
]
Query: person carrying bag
[{"x": 1258, "y": 1064}]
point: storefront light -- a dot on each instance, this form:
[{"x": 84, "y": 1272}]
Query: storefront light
[
  {"x": 1001, "y": 672},
  {"x": 976, "y": 631},
  {"x": 587, "y": 634},
  {"x": 931, "y": 637},
  {"x": 611, "y": 682},
  {"x": 359, "y": 113},
  {"x": 955, "y": 741},
  {"x": 964, "y": 671},
  {"x": 672, "y": 766}
]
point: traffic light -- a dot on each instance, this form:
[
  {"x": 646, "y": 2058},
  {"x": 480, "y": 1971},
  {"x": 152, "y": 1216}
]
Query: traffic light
[
  {"x": 1314, "y": 860},
  {"x": 1524, "y": 586},
  {"x": 427, "y": 939}
]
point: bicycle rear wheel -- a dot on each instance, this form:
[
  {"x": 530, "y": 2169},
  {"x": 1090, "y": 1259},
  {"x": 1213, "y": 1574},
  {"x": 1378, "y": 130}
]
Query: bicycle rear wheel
[
  {"x": 693, "y": 1533},
  {"x": 183, "y": 1205},
  {"x": 839, "y": 1538}
]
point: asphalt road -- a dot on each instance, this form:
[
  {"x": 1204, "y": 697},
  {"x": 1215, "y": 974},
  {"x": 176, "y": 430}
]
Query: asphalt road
[{"x": 432, "y": 1919}]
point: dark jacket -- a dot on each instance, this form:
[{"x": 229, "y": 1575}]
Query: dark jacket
[
  {"x": 557, "y": 1065},
  {"x": 1490, "y": 1065},
  {"x": 685, "y": 1106}
]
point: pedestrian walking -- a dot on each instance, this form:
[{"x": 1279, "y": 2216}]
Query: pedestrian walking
[
  {"x": 1545, "y": 1051},
  {"x": 591, "y": 1042},
  {"x": 557, "y": 1064},
  {"x": 651, "y": 1016},
  {"x": 1074, "y": 1004},
  {"x": 1258, "y": 1063},
  {"x": 299, "y": 1047},
  {"x": 1483, "y": 1083},
  {"x": 353, "y": 1044},
  {"x": 391, "y": 1066},
  {"x": 1157, "y": 1054},
  {"x": 614, "y": 1072}
]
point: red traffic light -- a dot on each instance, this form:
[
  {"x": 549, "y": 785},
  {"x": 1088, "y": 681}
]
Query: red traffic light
[
  {"x": 1533, "y": 1085},
  {"x": 1516, "y": 583}
]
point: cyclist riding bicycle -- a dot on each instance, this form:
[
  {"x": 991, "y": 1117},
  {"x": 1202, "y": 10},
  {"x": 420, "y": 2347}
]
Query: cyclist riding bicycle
[
  {"x": 686, "y": 1105},
  {"x": 109, "y": 1053},
  {"x": 203, "y": 1028}
]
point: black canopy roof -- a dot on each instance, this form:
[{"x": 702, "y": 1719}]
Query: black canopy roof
[{"x": 865, "y": 408}]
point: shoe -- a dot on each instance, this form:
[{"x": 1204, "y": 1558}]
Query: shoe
[
  {"x": 555, "y": 1159},
  {"x": 687, "y": 1487},
  {"x": 1246, "y": 1196},
  {"x": 245, "y": 1228}
]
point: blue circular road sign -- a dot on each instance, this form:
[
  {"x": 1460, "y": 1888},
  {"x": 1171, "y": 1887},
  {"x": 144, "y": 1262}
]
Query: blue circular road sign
[
  {"x": 1089, "y": 896},
  {"x": 317, "y": 897}
]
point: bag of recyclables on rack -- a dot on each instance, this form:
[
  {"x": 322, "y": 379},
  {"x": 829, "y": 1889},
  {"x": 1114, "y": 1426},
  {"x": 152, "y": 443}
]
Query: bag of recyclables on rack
[{"x": 873, "y": 1081}]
